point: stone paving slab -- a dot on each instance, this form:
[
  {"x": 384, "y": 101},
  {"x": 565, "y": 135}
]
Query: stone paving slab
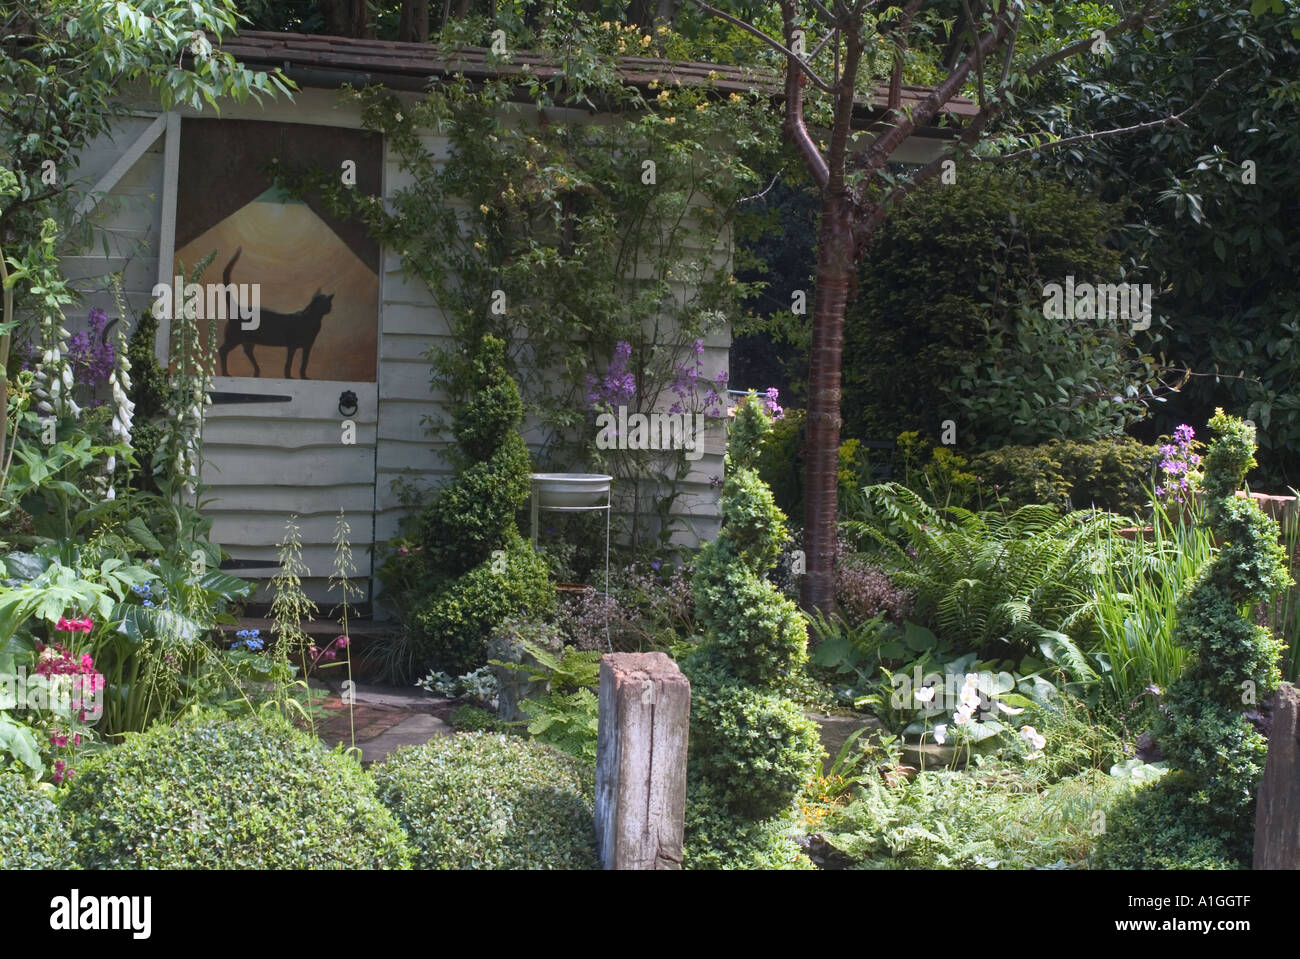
[
  {"x": 380, "y": 719},
  {"x": 412, "y": 731}
]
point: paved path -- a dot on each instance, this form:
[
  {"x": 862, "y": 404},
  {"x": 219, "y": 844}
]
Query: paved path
[{"x": 383, "y": 717}]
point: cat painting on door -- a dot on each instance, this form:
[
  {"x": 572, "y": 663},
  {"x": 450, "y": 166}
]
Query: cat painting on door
[{"x": 293, "y": 331}]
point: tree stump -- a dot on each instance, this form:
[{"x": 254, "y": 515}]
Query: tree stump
[
  {"x": 1277, "y": 815},
  {"x": 644, "y": 717}
]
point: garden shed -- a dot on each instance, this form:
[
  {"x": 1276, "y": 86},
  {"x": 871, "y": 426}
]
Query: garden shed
[{"x": 322, "y": 407}]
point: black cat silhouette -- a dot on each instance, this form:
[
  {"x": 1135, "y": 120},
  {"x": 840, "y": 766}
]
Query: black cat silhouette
[{"x": 293, "y": 331}]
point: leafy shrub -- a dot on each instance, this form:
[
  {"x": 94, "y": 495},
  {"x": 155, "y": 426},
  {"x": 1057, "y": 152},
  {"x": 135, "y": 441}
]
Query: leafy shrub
[
  {"x": 976, "y": 343},
  {"x": 33, "y": 832},
  {"x": 752, "y": 750},
  {"x": 715, "y": 839},
  {"x": 483, "y": 801},
  {"x": 251, "y": 793},
  {"x": 780, "y": 463},
  {"x": 1110, "y": 474},
  {"x": 1204, "y": 811},
  {"x": 1163, "y": 826},
  {"x": 481, "y": 569}
]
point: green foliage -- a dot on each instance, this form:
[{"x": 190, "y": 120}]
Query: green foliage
[
  {"x": 482, "y": 801},
  {"x": 751, "y": 749},
  {"x": 999, "y": 584},
  {"x": 567, "y": 721},
  {"x": 564, "y": 715},
  {"x": 457, "y": 617},
  {"x": 1166, "y": 826},
  {"x": 780, "y": 462},
  {"x": 480, "y": 568},
  {"x": 1111, "y": 474},
  {"x": 1217, "y": 754},
  {"x": 252, "y": 793},
  {"x": 975, "y": 343},
  {"x": 475, "y": 719},
  {"x": 1138, "y": 584},
  {"x": 33, "y": 831},
  {"x": 718, "y": 839},
  {"x": 149, "y": 393},
  {"x": 971, "y": 820},
  {"x": 566, "y": 670},
  {"x": 1216, "y": 243},
  {"x": 755, "y": 745}
]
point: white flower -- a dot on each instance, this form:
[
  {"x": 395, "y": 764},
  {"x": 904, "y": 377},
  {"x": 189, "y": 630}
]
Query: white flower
[
  {"x": 1010, "y": 711},
  {"x": 941, "y": 733},
  {"x": 1034, "y": 738},
  {"x": 925, "y": 694}
]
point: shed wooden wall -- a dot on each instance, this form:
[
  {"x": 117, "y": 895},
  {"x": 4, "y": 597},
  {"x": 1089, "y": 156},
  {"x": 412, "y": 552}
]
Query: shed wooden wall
[{"x": 130, "y": 221}]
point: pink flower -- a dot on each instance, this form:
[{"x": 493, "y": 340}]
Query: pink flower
[
  {"x": 61, "y": 772},
  {"x": 329, "y": 654},
  {"x": 342, "y": 642},
  {"x": 59, "y": 740}
]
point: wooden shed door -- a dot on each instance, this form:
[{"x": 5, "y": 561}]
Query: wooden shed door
[{"x": 292, "y": 427}]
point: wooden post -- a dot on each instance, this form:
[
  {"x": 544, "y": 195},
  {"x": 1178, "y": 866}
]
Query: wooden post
[
  {"x": 1277, "y": 816},
  {"x": 644, "y": 717}
]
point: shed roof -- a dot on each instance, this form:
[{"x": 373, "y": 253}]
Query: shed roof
[{"x": 313, "y": 59}]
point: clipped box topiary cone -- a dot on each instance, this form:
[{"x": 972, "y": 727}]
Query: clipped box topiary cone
[{"x": 1201, "y": 814}]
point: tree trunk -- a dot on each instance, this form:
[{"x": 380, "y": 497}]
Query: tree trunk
[
  {"x": 361, "y": 27},
  {"x": 835, "y": 265},
  {"x": 337, "y": 18},
  {"x": 414, "y": 26}
]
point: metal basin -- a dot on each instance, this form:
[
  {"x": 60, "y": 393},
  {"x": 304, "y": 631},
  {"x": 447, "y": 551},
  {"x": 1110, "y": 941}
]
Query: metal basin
[{"x": 571, "y": 490}]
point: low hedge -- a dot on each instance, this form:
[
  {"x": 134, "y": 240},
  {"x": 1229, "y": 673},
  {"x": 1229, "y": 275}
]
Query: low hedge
[
  {"x": 491, "y": 801},
  {"x": 33, "y": 832},
  {"x": 249, "y": 793}
]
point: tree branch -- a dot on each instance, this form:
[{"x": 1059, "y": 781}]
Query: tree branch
[
  {"x": 900, "y": 44},
  {"x": 979, "y": 57},
  {"x": 1172, "y": 119},
  {"x": 878, "y": 153},
  {"x": 794, "y": 126},
  {"x": 1148, "y": 11},
  {"x": 772, "y": 42}
]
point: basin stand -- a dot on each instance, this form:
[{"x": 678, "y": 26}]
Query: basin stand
[{"x": 606, "y": 506}]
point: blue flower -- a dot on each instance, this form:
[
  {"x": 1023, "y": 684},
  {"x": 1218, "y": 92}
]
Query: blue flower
[
  {"x": 143, "y": 590},
  {"x": 236, "y": 644},
  {"x": 149, "y": 604},
  {"x": 249, "y": 633},
  {"x": 255, "y": 645}
]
